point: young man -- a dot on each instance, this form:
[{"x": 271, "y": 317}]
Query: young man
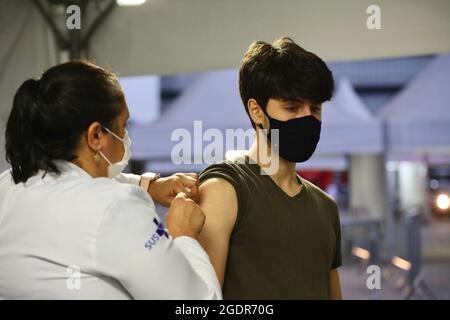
[{"x": 269, "y": 233}]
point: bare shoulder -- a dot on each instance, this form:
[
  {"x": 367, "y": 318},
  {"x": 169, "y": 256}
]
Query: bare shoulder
[
  {"x": 218, "y": 200},
  {"x": 214, "y": 186}
]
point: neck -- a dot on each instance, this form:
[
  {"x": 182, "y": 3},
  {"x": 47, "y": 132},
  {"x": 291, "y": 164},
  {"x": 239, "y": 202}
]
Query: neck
[
  {"x": 86, "y": 161},
  {"x": 285, "y": 175}
]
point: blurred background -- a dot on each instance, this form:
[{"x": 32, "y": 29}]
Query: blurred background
[{"x": 384, "y": 153}]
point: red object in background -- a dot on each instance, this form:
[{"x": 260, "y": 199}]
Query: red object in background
[{"x": 322, "y": 178}]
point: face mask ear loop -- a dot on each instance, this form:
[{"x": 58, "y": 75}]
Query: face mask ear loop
[
  {"x": 104, "y": 157},
  {"x": 114, "y": 135},
  {"x": 260, "y": 125}
]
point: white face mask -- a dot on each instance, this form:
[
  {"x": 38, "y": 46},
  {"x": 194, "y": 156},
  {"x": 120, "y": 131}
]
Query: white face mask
[{"x": 114, "y": 169}]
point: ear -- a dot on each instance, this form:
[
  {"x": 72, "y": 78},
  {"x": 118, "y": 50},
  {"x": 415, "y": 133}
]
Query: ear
[
  {"x": 94, "y": 136},
  {"x": 255, "y": 112}
]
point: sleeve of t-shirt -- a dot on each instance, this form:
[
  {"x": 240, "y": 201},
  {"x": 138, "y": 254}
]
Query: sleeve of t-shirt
[
  {"x": 337, "y": 261},
  {"x": 133, "y": 247}
]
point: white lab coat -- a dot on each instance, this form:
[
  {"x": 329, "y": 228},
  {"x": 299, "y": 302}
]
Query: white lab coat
[{"x": 75, "y": 237}]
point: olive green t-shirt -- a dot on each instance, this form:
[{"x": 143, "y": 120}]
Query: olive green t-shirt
[{"x": 281, "y": 247}]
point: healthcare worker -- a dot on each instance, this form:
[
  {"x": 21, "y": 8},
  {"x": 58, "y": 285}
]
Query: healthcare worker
[{"x": 68, "y": 228}]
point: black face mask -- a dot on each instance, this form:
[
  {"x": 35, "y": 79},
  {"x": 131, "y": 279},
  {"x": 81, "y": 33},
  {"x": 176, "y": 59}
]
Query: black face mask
[{"x": 298, "y": 137}]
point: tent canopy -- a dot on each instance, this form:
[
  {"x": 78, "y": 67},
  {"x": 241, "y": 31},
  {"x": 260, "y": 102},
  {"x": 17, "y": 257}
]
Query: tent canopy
[
  {"x": 348, "y": 125},
  {"x": 418, "y": 118},
  {"x": 212, "y": 99}
]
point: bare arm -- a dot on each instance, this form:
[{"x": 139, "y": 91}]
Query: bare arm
[
  {"x": 335, "y": 285},
  {"x": 219, "y": 203}
]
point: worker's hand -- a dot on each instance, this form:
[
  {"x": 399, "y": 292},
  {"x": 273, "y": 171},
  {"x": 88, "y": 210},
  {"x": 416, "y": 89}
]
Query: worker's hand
[
  {"x": 184, "y": 218},
  {"x": 164, "y": 190}
]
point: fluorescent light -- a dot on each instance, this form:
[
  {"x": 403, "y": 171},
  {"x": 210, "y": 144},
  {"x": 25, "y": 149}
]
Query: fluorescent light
[
  {"x": 401, "y": 263},
  {"x": 130, "y": 2},
  {"x": 361, "y": 253}
]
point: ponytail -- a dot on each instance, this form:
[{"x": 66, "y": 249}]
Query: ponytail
[{"x": 23, "y": 151}]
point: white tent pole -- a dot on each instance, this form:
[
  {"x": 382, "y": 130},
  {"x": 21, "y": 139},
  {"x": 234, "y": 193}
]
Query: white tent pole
[{"x": 368, "y": 190}]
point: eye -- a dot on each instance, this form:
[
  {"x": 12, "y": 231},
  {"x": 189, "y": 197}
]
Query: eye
[
  {"x": 292, "y": 109},
  {"x": 316, "y": 109}
]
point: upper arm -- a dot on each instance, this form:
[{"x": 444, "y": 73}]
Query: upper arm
[
  {"x": 335, "y": 285},
  {"x": 218, "y": 201}
]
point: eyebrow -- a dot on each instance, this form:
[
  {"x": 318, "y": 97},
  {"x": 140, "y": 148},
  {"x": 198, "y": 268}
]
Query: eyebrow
[
  {"x": 291, "y": 103},
  {"x": 294, "y": 103}
]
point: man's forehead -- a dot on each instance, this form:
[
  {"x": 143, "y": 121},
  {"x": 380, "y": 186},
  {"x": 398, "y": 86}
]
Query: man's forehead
[{"x": 298, "y": 102}]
